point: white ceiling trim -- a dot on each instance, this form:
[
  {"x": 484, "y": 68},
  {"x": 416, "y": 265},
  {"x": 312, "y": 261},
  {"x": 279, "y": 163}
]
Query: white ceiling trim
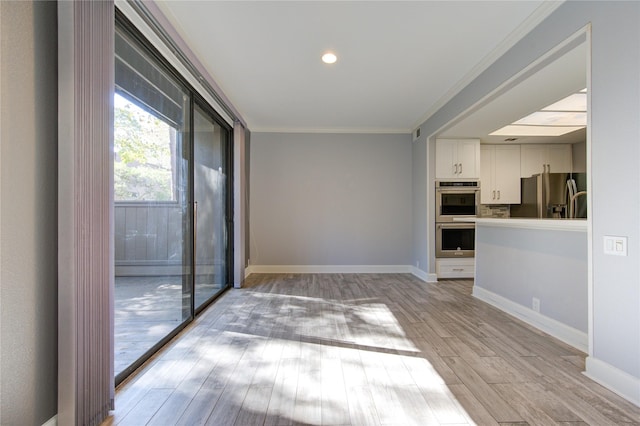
[{"x": 539, "y": 15}]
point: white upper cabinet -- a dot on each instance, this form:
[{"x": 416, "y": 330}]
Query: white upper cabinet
[
  {"x": 457, "y": 158},
  {"x": 551, "y": 158},
  {"x": 560, "y": 158},
  {"x": 500, "y": 174}
]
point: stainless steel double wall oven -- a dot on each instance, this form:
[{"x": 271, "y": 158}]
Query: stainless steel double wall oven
[{"x": 460, "y": 200}]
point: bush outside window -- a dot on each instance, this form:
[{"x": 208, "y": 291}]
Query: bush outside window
[{"x": 144, "y": 154}]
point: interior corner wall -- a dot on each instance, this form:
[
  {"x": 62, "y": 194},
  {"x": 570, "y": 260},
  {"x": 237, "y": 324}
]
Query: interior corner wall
[
  {"x": 420, "y": 205},
  {"x": 331, "y": 199},
  {"x": 28, "y": 212},
  {"x": 615, "y": 154},
  {"x": 247, "y": 211}
]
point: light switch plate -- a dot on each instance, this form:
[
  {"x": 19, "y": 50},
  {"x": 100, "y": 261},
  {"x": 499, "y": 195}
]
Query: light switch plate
[{"x": 615, "y": 246}]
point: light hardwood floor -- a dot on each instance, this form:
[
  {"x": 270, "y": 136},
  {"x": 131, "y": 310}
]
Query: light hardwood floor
[{"x": 363, "y": 349}]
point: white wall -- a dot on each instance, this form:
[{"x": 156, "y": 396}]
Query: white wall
[
  {"x": 330, "y": 199},
  {"x": 615, "y": 146},
  {"x": 28, "y": 212}
]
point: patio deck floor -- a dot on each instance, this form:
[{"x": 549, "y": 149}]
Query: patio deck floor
[{"x": 146, "y": 309}]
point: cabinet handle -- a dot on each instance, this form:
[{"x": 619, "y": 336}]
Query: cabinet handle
[
  {"x": 456, "y": 166},
  {"x": 457, "y": 269},
  {"x": 494, "y": 195},
  {"x": 460, "y": 168},
  {"x": 498, "y": 194}
]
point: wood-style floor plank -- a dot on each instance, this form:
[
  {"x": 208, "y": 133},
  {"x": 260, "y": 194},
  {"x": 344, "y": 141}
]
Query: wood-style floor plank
[{"x": 363, "y": 349}]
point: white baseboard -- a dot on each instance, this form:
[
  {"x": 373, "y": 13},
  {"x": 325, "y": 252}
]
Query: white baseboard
[
  {"x": 53, "y": 421},
  {"x": 329, "y": 269},
  {"x": 614, "y": 379},
  {"x": 248, "y": 271},
  {"x": 424, "y": 276},
  {"x": 571, "y": 336}
]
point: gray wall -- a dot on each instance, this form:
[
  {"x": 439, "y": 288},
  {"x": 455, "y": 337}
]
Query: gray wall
[
  {"x": 330, "y": 199},
  {"x": 520, "y": 264},
  {"x": 615, "y": 127},
  {"x": 579, "y": 157},
  {"x": 28, "y": 225}
]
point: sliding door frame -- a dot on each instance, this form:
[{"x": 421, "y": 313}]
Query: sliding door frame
[
  {"x": 197, "y": 99},
  {"x": 122, "y": 22}
]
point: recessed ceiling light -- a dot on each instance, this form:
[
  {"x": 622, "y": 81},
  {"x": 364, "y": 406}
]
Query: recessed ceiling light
[{"x": 329, "y": 58}]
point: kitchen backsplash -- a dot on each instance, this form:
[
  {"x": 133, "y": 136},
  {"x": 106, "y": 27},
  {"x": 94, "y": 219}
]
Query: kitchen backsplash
[{"x": 494, "y": 210}]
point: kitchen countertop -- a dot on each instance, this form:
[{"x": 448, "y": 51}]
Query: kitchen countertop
[{"x": 579, "y": 225}]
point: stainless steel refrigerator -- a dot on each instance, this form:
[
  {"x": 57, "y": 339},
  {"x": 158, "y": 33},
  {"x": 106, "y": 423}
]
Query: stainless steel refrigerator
[{"x": 543, "y": 196}]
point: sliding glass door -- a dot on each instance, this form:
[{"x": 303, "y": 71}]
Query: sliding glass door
[
  {"x": 171, "y": 202},
  {"x": 210, "y": 200}
]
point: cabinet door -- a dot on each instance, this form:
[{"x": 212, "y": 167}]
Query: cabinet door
[
  {"x": 487, "y": 189},
  {"x": 469, "y": 158},
  {"x": 446, "y": 158},
  {"x": 507, "y": 174},
  {"x": 559, "y": 158},
  {"x": 532, "y": 159}
]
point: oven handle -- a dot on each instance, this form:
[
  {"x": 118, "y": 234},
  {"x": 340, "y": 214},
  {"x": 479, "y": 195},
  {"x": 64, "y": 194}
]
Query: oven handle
[{"x": 457, "y": 224}]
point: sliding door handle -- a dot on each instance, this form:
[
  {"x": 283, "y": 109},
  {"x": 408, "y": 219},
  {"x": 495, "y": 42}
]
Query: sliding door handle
[{"x": 195, "y": 227}]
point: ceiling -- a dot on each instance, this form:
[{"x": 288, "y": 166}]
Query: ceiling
[
  {"x": 398, "y": 62},
  {"x": 553, "y": 80}
]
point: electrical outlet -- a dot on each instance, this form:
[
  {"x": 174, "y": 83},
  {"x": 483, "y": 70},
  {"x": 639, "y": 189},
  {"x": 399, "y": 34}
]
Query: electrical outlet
[{"x": 535, "y": 304}]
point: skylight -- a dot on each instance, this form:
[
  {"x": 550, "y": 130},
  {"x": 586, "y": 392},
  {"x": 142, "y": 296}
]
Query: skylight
[
  {"x": 575, "y": 102},
  {"x": 554, "y": 118},
  {"x": 514, "y": 130},
  {"x": 565, "y": 116}
]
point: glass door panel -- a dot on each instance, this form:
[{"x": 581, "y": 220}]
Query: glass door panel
[
  {"x": 210, "y": 197},
  {"x": 153, "y": 234}
]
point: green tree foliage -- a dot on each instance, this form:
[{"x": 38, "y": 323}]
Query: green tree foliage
[{"x": 143, "y": 160}]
